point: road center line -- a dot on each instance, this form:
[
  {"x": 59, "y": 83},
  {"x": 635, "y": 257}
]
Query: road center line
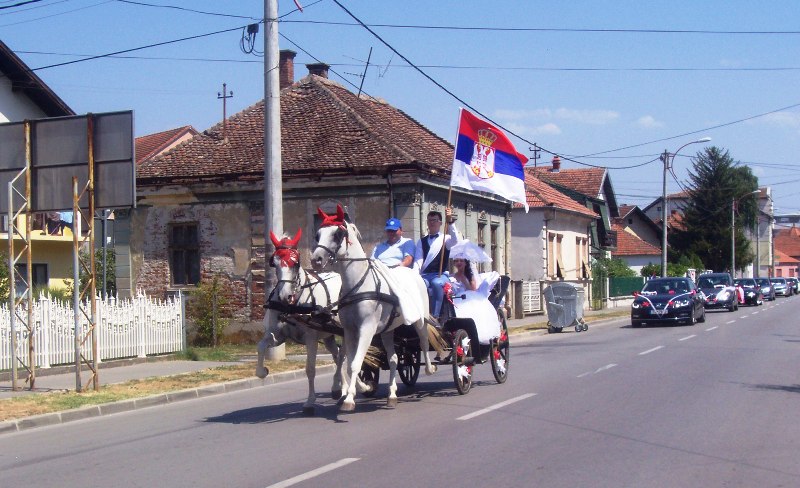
[
  {"x": 743, "y": 316},
  {"x": 711, "y": 328},
  {"x": 730, "y": 321},
  {"x": 314, "y": 473},
  {"x": 687, "y": 337},
  {"x": 651, "y": 350},
  {"x": 603, "y": 368},
  {"x": 495, "y": 406}
]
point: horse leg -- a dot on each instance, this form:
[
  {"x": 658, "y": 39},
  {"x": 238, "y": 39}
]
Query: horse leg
[
  {"x": 422, "y": 332},
  {"x": 391, "y": 356},
  {"x": 349, "y": 372},
  {"x": 338, "y": 356},
  {"x": 311, "y": 371},
  {"x": 271, "y": 326},
  {"x": 356, "y": 348}
]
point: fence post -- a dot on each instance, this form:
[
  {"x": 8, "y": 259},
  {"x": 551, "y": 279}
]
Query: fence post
[
  {"x": 184, "y": 333},
  {"x": 45, "y": 327},
  {"x": 141, "y": 324}
]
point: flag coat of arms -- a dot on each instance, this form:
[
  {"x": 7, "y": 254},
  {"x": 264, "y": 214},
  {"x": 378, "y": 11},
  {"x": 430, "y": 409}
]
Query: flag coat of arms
[{"x": 486, "y": 160}]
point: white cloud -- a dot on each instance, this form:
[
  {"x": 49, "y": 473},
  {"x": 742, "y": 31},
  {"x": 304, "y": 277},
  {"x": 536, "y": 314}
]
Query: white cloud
[
  {"x": 789, "y": 120},
  {"x": 534, "y": 130},
  {"x": 592, "y": 117},
  {"x": 649, "y": 122},
  {"x": 542, "y": 113}
]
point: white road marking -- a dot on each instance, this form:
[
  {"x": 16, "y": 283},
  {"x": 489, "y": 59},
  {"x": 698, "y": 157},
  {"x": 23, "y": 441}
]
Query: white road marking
[
  {"x": 607, "y": 366},
  {"x": 754, "y": 313},
  {"x": 730, "y": 321},
  {"x": 687, "y": 337},
  {"x": 314, "y": 473},
  {"x": 495, "y": 406},
  {"x": 584, "y": 374},
  {"x": 743, "y": 316},
  {"x": 651, "y": 350},
  {"x": 711, "y": 328}
]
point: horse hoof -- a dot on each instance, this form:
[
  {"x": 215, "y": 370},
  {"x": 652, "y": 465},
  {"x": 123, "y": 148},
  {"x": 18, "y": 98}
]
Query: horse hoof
[
  {"x": 262, "y": 372},
  {"x": 432, "y": 370},
  {"x": 391, "y": 402},
  {"x": 336, "y": 394},
  {"x": 348, "y": 406},
  {"x": 309, "y": 411}
]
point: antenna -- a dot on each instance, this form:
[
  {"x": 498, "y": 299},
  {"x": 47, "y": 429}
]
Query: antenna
[{"x": 224, "y": 96}]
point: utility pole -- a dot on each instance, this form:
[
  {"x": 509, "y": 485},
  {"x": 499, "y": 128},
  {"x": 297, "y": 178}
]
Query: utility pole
[
  {"x": 224, "y": 96},
  {"x": 665, "y": 159},
  {"x": 273, "y": 190}
]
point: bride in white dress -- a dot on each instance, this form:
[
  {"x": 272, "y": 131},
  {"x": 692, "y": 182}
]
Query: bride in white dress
[{"x": 471, "y": 298}]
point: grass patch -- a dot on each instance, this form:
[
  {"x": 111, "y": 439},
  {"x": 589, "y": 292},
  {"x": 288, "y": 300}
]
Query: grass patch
[
  {"x": 231, "y": 352},
  {"x": 40, "y": 403}
]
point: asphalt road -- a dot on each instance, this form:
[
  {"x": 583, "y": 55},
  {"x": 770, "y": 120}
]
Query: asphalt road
[{"x": 713, "y": 404}]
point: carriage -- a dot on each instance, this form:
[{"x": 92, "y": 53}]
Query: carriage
[{"x": 459, "y": 346}]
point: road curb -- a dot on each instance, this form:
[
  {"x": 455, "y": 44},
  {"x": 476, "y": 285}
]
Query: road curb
[{"x": 55, "y": 418}]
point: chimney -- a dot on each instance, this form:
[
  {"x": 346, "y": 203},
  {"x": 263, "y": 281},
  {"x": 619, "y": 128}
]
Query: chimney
[
  {"x": 319, "y": 69},
  {"x": 556, "y": 164},
  {"x": 286, "y": 68}
]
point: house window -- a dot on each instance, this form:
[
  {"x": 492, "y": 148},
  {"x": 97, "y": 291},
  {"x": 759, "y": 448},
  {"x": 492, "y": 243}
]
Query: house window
[
  {"x": 495, "y": 248},
  {"x": 3, "y": 223},
  {"x": 481, "y": 242},
  {"x": 39, "y": 275},
  {"x": 184, "y": 254},
  {"x": 581, "y": 253},
  {"x": 779, "y": 273},
  {"x": 555, "y": 262},
  {"x": 630, "y": 221}
]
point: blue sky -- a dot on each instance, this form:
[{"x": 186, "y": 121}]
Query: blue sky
[{"x": 591, "y": 77}]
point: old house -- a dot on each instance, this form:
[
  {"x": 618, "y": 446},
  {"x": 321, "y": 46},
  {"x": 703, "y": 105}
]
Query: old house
[
  {"x": 549, "y": 243},
  {"x": 638, "y": 238},
  {"x": 200, "y": 206}
]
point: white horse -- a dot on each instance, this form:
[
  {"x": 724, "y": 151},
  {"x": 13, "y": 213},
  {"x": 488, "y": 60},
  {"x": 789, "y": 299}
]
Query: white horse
[
  {"x": 366, "y": 304},
  {"x": 300, "y": 292}
]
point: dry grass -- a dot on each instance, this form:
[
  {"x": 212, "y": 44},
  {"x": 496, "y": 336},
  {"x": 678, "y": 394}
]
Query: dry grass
[{"x": 39, "y": 403}]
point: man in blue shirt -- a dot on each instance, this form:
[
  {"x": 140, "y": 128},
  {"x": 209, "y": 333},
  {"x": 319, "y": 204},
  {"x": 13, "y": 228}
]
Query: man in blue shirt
[{"x": 396, "y": 250}]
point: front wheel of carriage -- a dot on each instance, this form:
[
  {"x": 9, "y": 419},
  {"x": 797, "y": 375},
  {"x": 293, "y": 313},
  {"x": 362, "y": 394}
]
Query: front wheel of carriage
[
  {"x": 500, "y": 353},
  {"x": 463, "y": 361},
  {"x": 371, "y": 377},
  {"x": 408, "y": 364}
]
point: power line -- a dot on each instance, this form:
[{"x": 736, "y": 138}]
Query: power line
[
  {"x": 19, "y": 4},
  {"x": 143, "y": 4}
]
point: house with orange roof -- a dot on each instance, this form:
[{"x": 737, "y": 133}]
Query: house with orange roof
[
  {"x": 638, "y": 238},
  {"x": 549, "y": 243},
  {"x": 787, "y": 252},
  {"x": 23, "y": 95},
  {"x": 200, "y": 205},
  {"x": 590, "y": 187},
  {"x": 151, "y": 145}
]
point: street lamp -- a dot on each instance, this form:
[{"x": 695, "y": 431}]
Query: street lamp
[
  {"x": 733, "y": 229},
  {"x": 668, "y": 158}
]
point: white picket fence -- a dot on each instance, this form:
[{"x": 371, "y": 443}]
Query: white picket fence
[{"x": 136, "y": 327}]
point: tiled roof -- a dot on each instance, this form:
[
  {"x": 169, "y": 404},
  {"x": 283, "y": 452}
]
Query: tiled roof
[
  {"x": 325, "y": 129},
  {"x": 540, "y": 194},
  {"x": 151, "y": 144},
  {"x": 787, "y": 241},
  {"x": 628, "y": 244},
  {"x": 674, "y": 221},
  {"x": 587, "y": 181},
  {"x": 783, "y": 258},
  {"x": 625, "y": 209}
]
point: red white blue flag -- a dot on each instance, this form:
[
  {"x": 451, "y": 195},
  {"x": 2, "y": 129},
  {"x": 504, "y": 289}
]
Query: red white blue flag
[{"x": 486, "y": 160}]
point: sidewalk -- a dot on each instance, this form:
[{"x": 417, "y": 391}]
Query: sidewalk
[{"x": 63, "y": 378}]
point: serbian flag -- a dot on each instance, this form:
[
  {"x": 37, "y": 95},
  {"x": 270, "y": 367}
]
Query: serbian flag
[{"x": 485, "y": 160}]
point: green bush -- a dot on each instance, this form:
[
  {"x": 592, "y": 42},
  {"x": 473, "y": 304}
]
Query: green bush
[{"x": 208, "y": 308}]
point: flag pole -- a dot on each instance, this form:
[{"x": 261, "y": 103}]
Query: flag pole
[{"x": 444, "y": 241}]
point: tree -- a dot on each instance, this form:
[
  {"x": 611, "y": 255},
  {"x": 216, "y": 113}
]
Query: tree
[
  {"x": 614, "y": 268},
  {"x": 5, "y": 284},
  {"x": 715, "y": 180}
]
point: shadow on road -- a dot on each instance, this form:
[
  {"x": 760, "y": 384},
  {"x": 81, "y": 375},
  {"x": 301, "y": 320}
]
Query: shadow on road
[{"x": 786, "y": 388}]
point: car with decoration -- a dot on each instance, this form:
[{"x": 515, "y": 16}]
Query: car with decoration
[
  {"x": 668, "y": 300},
  {"x": 781, "y": 287},
  {"x": 752, "y": 294},
  {"x": 718, "y": 290}
]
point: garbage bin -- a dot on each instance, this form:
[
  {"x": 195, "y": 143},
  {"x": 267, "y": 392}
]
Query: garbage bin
[{"x": 564, "y": 303}]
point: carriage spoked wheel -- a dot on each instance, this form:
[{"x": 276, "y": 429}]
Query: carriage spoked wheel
[
  {"x": 500, "y": 353},
  {"x": 408, "y": 365},
  {"x": 370, "y": 376},
  {"x": 463, "y": 361}
]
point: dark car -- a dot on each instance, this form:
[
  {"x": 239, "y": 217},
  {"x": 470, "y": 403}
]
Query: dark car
[
  {"x": 781, "y": 287},
  {"x": 718, "y": 290},
  {"x": 766, "y": 288},
  {"x": 671, "y": 300},
  {"x": 752, "y": 291},
  {"x": 795, "y": 284}
]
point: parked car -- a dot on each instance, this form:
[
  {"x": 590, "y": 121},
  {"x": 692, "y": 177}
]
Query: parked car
[
  {"x": 795, "y": 285},
  {"x": 670, "y": 300},
  {"x": 766, "y": 288},
  {"x": 752, "y": 291},
  {"x": 718, "y": 290},
  {"x": 781, "y": 287}
]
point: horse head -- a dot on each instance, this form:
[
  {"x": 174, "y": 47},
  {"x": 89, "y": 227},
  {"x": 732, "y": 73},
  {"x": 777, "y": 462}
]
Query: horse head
[
  {"x": 286, "y": 261},
  {"x": 332, "y": 238}
]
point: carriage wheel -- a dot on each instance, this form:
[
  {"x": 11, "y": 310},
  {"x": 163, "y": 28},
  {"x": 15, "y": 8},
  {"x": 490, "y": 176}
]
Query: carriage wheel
[
  {"x": 408, "y": 367},
  {"x": 500, "y": 353},
  {"x": 462, "y": 361},
  {"x": 371, "y": 377}
]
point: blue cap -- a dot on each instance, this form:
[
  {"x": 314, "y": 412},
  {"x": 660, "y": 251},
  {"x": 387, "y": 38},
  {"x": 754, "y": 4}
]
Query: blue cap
[{"x": 393, "y": 224}]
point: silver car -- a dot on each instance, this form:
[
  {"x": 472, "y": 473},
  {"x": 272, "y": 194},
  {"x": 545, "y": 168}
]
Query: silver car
[{"x": 780, "y": 286}]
